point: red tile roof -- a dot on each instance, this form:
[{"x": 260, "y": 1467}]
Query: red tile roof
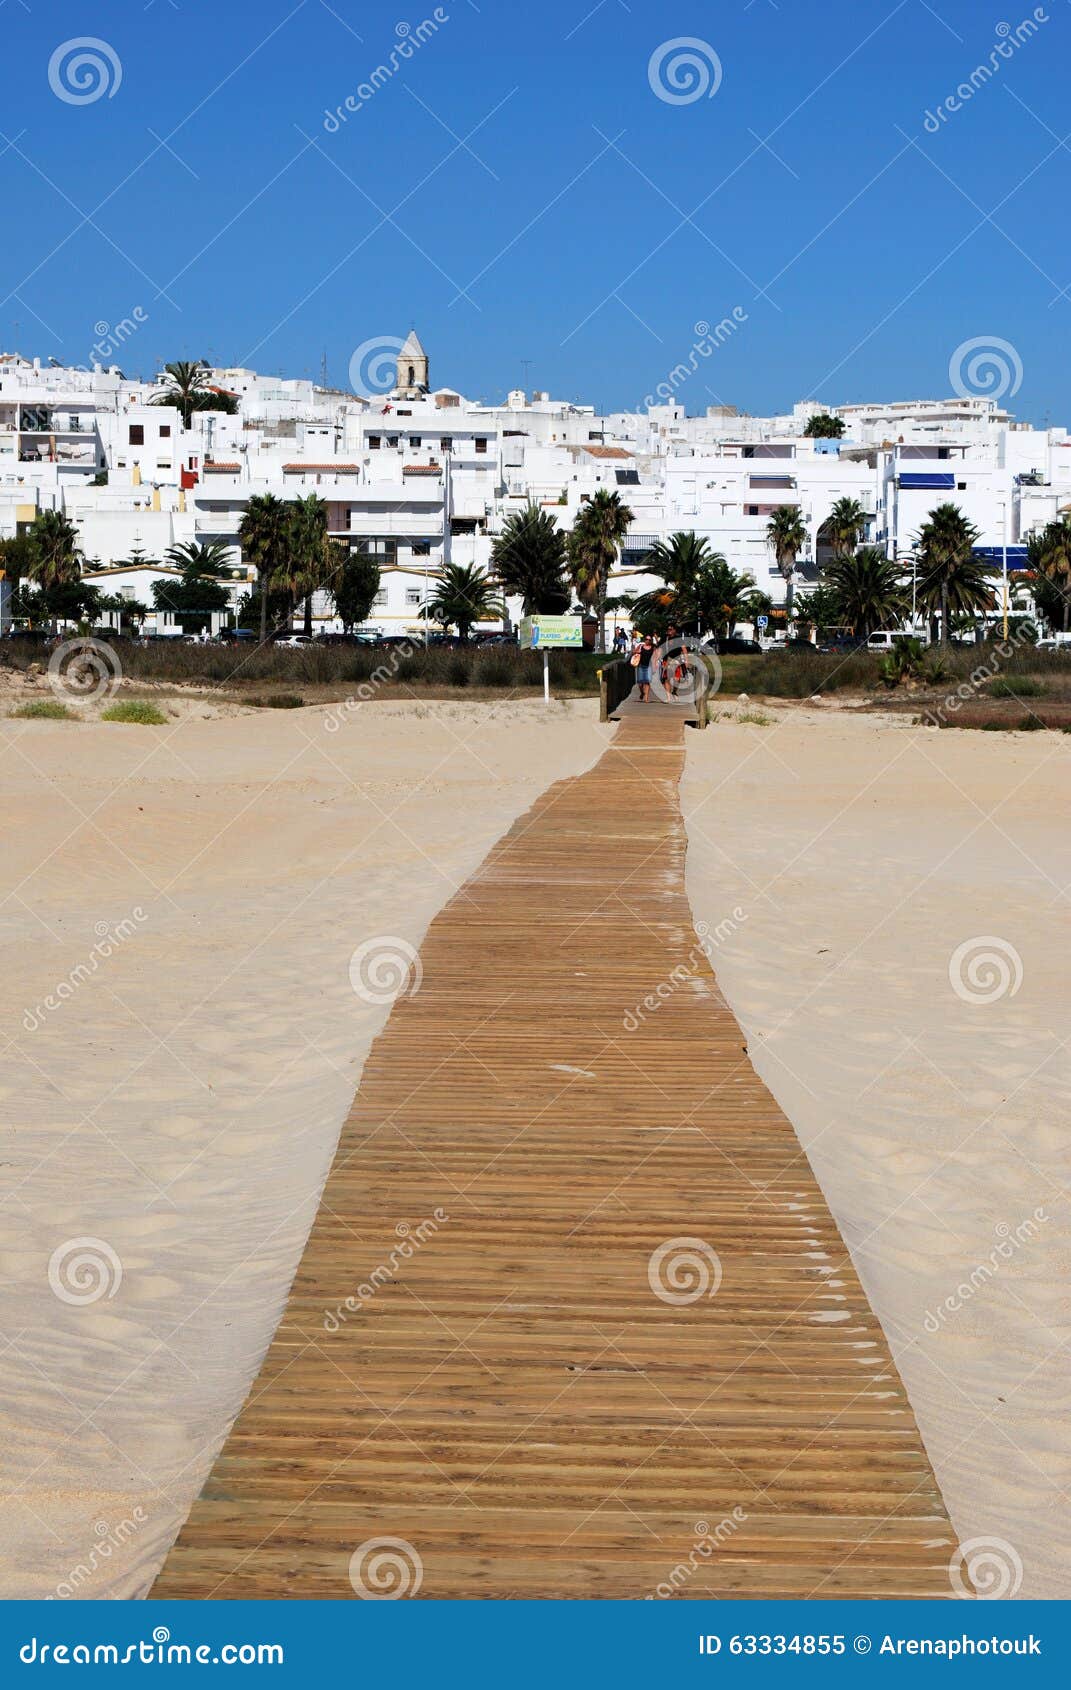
[
  {"x": 227, "y": 469},
  {"x": 324, "y": 469},
  {"x": 422, "y": 469},
  {"x": 607, "y": 452}
]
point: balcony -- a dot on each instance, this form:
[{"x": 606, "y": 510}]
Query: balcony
[{"x": 418, "y": 525}]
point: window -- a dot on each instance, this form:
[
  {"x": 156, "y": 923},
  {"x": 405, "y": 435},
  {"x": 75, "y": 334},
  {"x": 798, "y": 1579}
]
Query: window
[
  {"x": 165, "y": 431},
  {"x": 421, "y": 548},
  {"x": 137, "y": 434},
  {"x": 414, "y": 440},
  {"x": 380, "y": 600},
  {"x": 373, "y": 442},
  {"x": 413, "y": 596},
  {"x": 444, "y": 444},
  {"x": 481, "y": 443}
]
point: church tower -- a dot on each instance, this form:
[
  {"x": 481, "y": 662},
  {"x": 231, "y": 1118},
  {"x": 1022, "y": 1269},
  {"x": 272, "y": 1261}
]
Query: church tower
[{"x": 412, "y": 370}]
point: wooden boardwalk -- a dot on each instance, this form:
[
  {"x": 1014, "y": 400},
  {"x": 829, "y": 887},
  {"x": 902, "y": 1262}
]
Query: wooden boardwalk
[{"x": 629, "y": 1354}]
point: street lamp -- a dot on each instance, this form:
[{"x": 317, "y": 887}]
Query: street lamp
[{"x": 1004, "y": 560}]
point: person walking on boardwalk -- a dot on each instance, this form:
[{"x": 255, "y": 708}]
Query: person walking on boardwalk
[{"x": 645, "y": 653}]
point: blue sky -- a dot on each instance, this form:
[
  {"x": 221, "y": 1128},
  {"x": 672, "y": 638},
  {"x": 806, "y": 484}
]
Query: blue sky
[{"x": 519, "y": 189}]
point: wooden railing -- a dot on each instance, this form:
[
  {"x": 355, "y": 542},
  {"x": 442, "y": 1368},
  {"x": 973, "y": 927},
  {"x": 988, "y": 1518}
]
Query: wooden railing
[{"x": 616, "y": 680}]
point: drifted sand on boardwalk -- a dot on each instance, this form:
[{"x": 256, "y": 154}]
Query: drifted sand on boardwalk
[
  {"x": 859, "y": 855},
  {"x": 191, "y": 897}
]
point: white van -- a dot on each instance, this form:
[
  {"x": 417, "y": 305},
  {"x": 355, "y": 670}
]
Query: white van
[{"x": 885, "y": 638}]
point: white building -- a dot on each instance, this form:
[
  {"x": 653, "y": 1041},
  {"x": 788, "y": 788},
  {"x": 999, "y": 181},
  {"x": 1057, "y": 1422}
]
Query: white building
[{"x": 420, "y": 476}]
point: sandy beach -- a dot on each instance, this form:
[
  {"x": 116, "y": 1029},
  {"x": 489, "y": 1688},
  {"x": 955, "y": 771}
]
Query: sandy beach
[
  {"x": 181, "y": 1043},
  {"x": 183, "y": 1038},
  {"x": 898, "y": 962}
]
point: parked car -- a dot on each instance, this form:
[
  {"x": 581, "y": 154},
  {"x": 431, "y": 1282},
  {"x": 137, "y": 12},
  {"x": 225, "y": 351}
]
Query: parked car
[
  {"x": 838, "y": 644},
  {"x": 1055, "y": 642},
  {"x": 734, "y": 645}
]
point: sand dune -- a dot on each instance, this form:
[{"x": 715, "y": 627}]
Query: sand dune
[
  {"x": 901, "y": 973},
  {"x": 181, "y": 1043}
]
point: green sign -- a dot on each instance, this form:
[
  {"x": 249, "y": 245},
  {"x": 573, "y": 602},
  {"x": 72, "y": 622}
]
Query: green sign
[{"x": 541, "y": 633}]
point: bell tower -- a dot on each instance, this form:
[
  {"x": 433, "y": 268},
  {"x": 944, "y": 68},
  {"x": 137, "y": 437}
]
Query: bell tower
[{"x": 412, "y": 370}]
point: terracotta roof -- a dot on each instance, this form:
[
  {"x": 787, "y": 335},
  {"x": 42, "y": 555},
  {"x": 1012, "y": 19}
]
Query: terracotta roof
[
  {"x": 228, "y": 469},
  {"x": 422, "y": 469},
  {"x": 337, "y": 469},
  {"x": 606, "y": 451}
]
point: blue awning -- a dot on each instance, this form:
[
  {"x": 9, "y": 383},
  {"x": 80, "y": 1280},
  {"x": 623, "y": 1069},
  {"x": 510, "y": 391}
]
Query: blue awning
[{"x": 933, "y": 483}]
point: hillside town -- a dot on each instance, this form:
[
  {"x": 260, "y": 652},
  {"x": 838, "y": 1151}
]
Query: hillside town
[{"x": 153, "y": 473}]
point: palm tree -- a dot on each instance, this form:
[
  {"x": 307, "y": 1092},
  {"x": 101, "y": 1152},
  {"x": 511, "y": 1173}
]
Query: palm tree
[
  {"x": 705, "y": 594},
  {"x": 824, "y": 427},
  {"x": 189, "y": 392},
  {"x": 845, "y": 525},
  {"x": 198, "y": 557},
  {"x": 951, "y": 581},
  {"x": 55, "y": 555},
  {"x": 787, "y": 535},
  {"x": 463, "y": 595},
  {"x": 528, "y": 561},
  {"x": 601, "y": 524},
  {"x": 869, "y": 589},
  {"x": 307, "y": 564},
  {"x": 263, "y": 534},
  {"x": 1054, "y": 560}
]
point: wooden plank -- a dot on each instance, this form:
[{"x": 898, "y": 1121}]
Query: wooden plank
[{"x": 514, "y": 1397}]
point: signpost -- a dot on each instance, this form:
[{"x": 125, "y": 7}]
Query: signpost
[
  {"x": 762, "y": 621},
  {"x": 547, "y": 633}
]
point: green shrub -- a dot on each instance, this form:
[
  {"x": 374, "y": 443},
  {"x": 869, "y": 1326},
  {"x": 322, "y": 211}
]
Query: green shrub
[
  {"x": 134, "y": 710},
  {"x": 46, "y": 710},
  {"x": 1015, "y": 686}
]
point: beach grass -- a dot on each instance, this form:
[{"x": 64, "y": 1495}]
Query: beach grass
[
  {"x": 134, "y": 710},
  {"x": 44, "y": 710}
]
